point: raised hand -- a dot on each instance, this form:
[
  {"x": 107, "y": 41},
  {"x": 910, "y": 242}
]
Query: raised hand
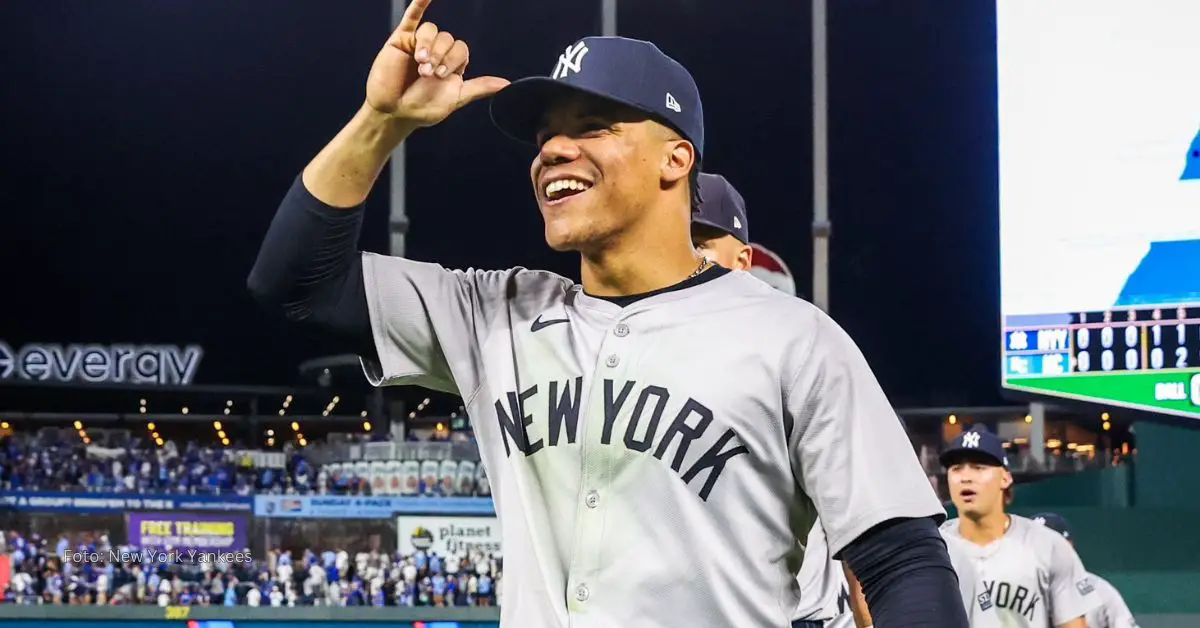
[{"x": 417, "y": 77}]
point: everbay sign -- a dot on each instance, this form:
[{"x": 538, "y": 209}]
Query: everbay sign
[{"x": 100, "y": 364}]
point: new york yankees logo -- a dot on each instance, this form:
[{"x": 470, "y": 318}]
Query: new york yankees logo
[
  {"x": 971, "y": 440},
  {"x": 570, "y": 60}
]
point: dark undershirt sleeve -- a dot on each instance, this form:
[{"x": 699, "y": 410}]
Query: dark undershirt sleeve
[
  {"x": 906, "y": 575},
  {"x": 309, "y": 269}
]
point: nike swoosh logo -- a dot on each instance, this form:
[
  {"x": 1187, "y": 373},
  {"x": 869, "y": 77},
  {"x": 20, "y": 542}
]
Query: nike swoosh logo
[{"x": 539, "y": 324}]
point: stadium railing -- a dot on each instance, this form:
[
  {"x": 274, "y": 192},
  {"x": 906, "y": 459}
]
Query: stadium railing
[
  {"x": 47, "y": 616},
  {"x": 64, "y": 616}
]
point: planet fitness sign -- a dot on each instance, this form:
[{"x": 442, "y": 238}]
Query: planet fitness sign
[{"x": 154, "y": 365}]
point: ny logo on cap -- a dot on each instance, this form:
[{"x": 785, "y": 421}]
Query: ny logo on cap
[
  {"x": 971, "y": 440},
  {"x": 570, "y": 60}
]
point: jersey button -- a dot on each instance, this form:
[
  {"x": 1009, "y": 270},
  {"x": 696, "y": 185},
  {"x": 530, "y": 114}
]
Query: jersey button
[
  {"x": 622, "y": 330},
  {"x": 612, "y": 361},
  {"x": 582, "y": 593},
  {"x": 592, "y": 500}
]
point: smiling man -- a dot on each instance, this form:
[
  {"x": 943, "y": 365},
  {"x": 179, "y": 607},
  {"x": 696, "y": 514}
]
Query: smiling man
[{"x": 632, "y": 480}]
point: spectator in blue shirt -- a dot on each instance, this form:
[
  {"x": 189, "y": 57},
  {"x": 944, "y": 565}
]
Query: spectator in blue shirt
[
  {"x": 435, "y": 562},
  {"x": 439, "y": 589},
  {"x": 485, "y": 590}
]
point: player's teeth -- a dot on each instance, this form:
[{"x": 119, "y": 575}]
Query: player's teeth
[{"x": 555, "y": 187}]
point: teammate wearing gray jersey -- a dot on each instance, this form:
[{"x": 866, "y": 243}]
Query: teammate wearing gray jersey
[
  {"x": 636, "y": 482},
  {"x": 1112, "y": 611},
  {"x": 824, "y": 590},
  {"x": 721, "y": 232},
  {"x": 1032, "y": 576}
]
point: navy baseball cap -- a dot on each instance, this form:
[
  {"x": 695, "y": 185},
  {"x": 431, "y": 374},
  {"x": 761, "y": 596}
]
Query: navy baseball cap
[
  {"x": 978, "y": 443},
  {"x": 722, "y": 207},
  {"x": 631, "y": 72},
  {"x": 1055, "y": 522}
]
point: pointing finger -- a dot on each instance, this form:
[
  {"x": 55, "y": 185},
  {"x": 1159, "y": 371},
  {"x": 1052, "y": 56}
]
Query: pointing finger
[
  {"x": 404, "y": 37},
  {"x": 413, "y": 16}
]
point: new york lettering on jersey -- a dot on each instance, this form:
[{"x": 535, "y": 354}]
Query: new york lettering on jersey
[
  {"x": 616, "y": 445},
  {"x": 1031, "y": 575},
  {"x": 651, "y": 415}
]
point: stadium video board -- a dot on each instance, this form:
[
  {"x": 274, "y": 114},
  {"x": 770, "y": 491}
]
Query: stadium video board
[{"x": 1099, "y": 156}]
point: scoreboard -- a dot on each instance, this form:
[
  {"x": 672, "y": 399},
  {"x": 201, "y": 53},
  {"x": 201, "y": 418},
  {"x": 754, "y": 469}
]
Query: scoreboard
[
  {"x": 1139, "y": 358},
  {"x": 1099, "y": 201}
]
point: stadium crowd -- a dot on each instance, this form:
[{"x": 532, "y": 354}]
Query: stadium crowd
[
  {"x": 57, "y": 460},
  {"x": 51, "y": 573},
  {"x": 49, "y": 462}
]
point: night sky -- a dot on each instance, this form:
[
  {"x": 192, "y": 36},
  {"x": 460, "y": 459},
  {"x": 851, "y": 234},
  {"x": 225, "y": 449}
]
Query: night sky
[{"x": 144, "y": 146}]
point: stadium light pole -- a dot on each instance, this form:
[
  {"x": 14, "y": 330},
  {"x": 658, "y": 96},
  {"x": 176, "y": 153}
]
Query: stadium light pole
[
  {"x": 821, "y": 225},
  {"x": 608, "y": 18},
  {"x": 397, "y": 208},
  {"x": 397, "y": 232}
]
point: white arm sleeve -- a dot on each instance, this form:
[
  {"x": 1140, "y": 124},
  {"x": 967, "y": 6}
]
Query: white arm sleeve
[{"x": 849, "y": 451}]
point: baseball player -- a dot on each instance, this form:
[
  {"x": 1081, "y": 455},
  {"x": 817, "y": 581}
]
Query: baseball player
[
  {"x": 721, "y": 231},
  {"x": 636, "y": 482},
  {"x": 1031, "y": 575},
  {"x": 1112, "y": 611}
]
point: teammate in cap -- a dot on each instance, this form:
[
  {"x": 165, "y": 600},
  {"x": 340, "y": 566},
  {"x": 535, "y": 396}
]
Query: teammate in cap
[
  {"x": 1112, "y": 611},
  {"x": 1032, "y": 576},
  {"x": 721, "y": 231},
  {"x": 636, "y": 482}
]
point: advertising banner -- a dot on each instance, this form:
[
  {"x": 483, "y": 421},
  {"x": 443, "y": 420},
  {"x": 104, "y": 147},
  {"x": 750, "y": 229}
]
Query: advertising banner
[
  {"x": 153, "y": 365},
  {"x": 97, "y": 503},
  {"x": 188, "y": 531},
  {"x": 448, "y": 535},
  {"x": 351, "y": 507}
]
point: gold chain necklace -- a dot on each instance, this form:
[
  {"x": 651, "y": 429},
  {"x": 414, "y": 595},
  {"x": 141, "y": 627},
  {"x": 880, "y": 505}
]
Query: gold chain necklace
[{"x": 704, "y": 262}]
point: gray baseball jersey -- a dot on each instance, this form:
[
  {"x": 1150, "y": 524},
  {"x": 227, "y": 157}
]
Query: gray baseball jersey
[
  {"x": 976, "y": 600},
  {"x": 639, "y": 480},
  {"x": 1112, "y": 611},
  {"x": 824, "y": 592},
  {"x": 1032, "y": 576}
]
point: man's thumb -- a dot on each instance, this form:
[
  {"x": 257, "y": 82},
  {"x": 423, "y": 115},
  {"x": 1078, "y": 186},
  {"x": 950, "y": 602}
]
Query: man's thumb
[{"x": 480, "y": 87}]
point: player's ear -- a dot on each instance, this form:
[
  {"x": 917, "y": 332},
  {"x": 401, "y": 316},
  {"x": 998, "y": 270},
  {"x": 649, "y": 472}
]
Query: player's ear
[
  {"x": 1006, "y": 481},
  {"x": 742, "y": 260},
  {"x": 677, "y": 160}
]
